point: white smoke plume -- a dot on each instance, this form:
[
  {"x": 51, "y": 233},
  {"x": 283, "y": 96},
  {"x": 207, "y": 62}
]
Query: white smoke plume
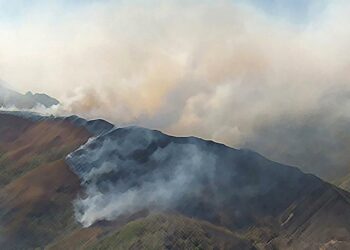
[
  {"x": 221, "y": 70},
  {"x": 119, "y": 181}
]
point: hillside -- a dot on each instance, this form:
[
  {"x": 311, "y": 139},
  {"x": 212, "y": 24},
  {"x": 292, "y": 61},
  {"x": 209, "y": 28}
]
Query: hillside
[
  {"x": 142, "y": 189},
  {"x": 174, "y": 232},
  {"x": 235, "y": 189},
  {"x": 160, "y": 231},
  {"x": 36, "y": 187}
]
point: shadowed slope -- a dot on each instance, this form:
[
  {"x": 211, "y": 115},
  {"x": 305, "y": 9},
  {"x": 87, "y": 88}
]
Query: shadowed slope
[
  {"x": 131, "y": 169},
  {"x": 319, "y": 220}
]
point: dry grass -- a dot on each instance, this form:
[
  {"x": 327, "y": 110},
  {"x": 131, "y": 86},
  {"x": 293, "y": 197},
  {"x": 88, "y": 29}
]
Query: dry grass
[{"x": 37, "y": 188}]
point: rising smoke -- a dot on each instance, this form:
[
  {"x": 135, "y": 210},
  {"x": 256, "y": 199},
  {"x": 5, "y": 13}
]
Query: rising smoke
[
  {"x": 221, "y": 70},
  {"x": 128, "y": 170}
]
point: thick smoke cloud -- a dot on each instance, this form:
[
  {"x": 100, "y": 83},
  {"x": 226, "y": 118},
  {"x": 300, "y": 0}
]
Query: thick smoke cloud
[
  {"x": 132, "y": 169},
  {"x": 221, "y": 70}
]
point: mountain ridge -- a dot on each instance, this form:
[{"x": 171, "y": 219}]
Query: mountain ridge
[
  {"x": 306, "y": 186},
  {"x": 268, "y": 204},
  {"x": 13, "y": 99}
]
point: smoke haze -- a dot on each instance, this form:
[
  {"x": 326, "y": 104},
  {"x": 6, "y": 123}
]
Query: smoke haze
[
  {"x": 222, "y": 70},
  {"x": 131, "y": 169}
]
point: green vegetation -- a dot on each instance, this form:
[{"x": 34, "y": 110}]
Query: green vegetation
[
  {"x": 11, "y": 170},
  {"x": 170, "y": 232}
]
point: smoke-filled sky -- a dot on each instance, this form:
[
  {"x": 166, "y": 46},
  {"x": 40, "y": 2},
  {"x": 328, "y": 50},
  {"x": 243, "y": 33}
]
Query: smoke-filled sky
[{"x": 269, "y": 75}]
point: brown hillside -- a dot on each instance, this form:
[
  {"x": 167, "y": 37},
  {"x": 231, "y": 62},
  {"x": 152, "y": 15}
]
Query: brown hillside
[{"x": 36, "y": 186}]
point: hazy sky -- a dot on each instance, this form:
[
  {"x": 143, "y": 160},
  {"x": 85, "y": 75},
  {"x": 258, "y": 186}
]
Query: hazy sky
[
  {"x": 269, "y": 75},
  {"x": 297, "y": 11}
]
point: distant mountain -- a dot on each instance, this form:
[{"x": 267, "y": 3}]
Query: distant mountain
[
  {"x": 10, "y": 98},
  {"x": 135, "y": 188}
]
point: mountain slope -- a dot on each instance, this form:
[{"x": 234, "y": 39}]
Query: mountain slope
[
  {"x": 159, "y": 231},
  {"x": 130, "y": 169},
  {"x": 344, "y": 182},
  {"x": 316, "y": 220},
  {"x": 172, "y": 232},
  {"x": 37, "y": 187},
  {"x": 134, "y": 178}
]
